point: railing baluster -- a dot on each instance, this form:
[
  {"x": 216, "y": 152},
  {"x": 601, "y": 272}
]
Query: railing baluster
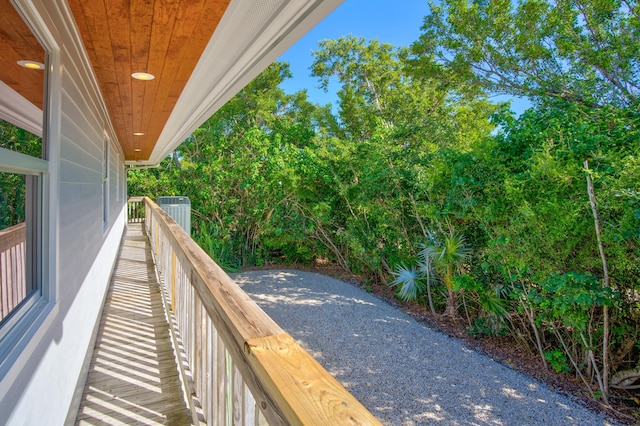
[
  {"x": 238, "y": 386},
  {"x": 4, "y": 276},
  {"x": 220, "y": 374},
  {"x": 249, "y": 407},
  {"x": 212, "y": 357},
  {"x": 209, "y": 393}
]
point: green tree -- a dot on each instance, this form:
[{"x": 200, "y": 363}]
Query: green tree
[
  {"x": 239, "y": 169},
  {"x": 392, "y": 124},
  {"x": 583, "y": 51}
]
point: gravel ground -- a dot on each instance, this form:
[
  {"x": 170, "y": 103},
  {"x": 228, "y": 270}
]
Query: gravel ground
[{"x": 402, "y": 371}]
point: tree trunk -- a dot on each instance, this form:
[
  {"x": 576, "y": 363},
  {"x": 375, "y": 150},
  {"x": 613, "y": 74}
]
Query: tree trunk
[
  {"x": 431, "y": 307},
  {"x": 532, "y": 321},
  {"x": 605, "y": 270},
  {"x": 452, "y": 306},
  {"x": 536, "y": 332}
]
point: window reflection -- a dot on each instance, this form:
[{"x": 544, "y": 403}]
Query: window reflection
[
  {"x": 19, "y": 140},
  {"x": 13, "y": 242},
  {"x": 22, "y": 102}
]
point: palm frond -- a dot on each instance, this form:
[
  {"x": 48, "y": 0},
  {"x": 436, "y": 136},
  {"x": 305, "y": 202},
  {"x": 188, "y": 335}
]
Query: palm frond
[
  {"x": 492, "y": 304},
  {"x": 428, "y": 253},
  {"x": 455, "y": 249},
  {"x": 407, "y": 278},
  {"x": 427, "y": 270}
]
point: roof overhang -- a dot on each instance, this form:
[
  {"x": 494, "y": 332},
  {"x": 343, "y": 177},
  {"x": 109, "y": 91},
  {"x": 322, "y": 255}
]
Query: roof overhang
[
  {"x": 243, "y": 45},
  {"x": 201, "y": 52}
]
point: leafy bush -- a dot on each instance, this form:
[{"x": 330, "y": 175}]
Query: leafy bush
[
  {"x": 215, "y": 242},
  {"x": 558, "y": 360}
]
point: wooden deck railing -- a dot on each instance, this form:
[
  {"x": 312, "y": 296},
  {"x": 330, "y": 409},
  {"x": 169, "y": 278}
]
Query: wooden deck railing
[
  {"x": 12, "y": 268},
  {"x": 245, "y": 369},
  {"x": 135, "y": 210}
]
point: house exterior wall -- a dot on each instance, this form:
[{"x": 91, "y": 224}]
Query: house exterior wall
[{"x": 39, "y": 379}]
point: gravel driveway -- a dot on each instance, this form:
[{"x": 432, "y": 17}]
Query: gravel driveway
[{"x": 402, "y": 371}]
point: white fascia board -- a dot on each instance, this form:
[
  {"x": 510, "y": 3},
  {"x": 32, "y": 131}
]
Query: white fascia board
[
  {"x": 246, "y": 41},
  {"x": 17, "y": 110}
]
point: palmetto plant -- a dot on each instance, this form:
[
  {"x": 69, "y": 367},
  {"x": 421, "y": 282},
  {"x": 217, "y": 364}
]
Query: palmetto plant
[
  {"x": 438, "y": 261},
  {"x": 408, "y": 278},
  {"x": 447, "y": 260}
]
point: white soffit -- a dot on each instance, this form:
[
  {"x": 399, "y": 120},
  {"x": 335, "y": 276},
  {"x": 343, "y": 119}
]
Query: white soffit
[{"x": 250, "y": 36}]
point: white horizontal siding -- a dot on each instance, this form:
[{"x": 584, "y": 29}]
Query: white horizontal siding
[
  {"x": 74, "y": 136},
  {"x": 81, "y": 168},
  {"x": 73, "y": 173}
]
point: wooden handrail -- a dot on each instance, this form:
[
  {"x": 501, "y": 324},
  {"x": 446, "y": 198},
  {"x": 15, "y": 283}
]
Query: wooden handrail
[
  {"x": 13, "y": 242},
  {"x": 12, "y": 236},
  {"x": 245, "y": 368}
]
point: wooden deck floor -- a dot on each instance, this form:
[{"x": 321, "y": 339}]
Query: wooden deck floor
[{"x": 133, "y": 378}]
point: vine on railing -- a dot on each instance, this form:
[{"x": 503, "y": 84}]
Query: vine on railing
[{"x": 245, "y": 369}]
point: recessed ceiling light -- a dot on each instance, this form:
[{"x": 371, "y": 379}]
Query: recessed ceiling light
[
  {"x": 137, "y": 150},
  {"x": 32, "y": 65},
  {"x": 138, "y": 134},
  {"x": 143, "y": 76}
]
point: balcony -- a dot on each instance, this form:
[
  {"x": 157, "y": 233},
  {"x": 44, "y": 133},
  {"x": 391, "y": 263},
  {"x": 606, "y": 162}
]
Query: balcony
[{"x": 180, "y": 343}]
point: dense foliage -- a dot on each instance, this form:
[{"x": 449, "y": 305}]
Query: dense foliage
[{"x": 419, "y": 181}]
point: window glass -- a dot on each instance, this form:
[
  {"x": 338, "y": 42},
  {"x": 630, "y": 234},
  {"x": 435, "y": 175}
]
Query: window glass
[
  {"x": 15, "y": 280},
  {"x": 22, "y": 82},
  {"x": 13, "y": 189},
  {"x": 14, "y": 138},
  {"x": 105, "y": 185},
  {"x": 19, "y": 198},
  {"x": 23, "y": 166}
]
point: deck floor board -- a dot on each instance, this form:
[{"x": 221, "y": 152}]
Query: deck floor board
[{"x": 133, "y": 377}]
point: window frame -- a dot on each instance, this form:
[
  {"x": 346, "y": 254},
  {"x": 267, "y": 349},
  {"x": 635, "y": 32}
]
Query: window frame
[
  {"x": 106, "y": 157},
  {"x": 117, "y": 180},
  {"x": 24, "y": 328},
  {"x": 36, "y": 171}
]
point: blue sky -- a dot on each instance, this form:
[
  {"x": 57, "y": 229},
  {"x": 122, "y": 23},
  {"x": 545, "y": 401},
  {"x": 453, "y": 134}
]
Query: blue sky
[{"x": 395, "y": 22}]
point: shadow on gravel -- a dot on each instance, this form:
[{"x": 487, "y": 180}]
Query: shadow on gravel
[{"x": 402, "y": 371}]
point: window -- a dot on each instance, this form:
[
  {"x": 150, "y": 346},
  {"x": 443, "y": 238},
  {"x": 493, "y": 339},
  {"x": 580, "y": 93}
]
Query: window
[
  {"x": 14, "y": 284},
  {"x": 105, "y": 185},
  {"x": 21, "y": 215},
  {"x": 117, "y": 181},
  {"x": 25, "y": 286}
]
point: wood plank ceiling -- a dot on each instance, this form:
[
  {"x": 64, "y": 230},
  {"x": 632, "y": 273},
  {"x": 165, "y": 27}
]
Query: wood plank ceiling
[
  {"x": 161, "y": 37},
  {"x": 17, "y": 43}
]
